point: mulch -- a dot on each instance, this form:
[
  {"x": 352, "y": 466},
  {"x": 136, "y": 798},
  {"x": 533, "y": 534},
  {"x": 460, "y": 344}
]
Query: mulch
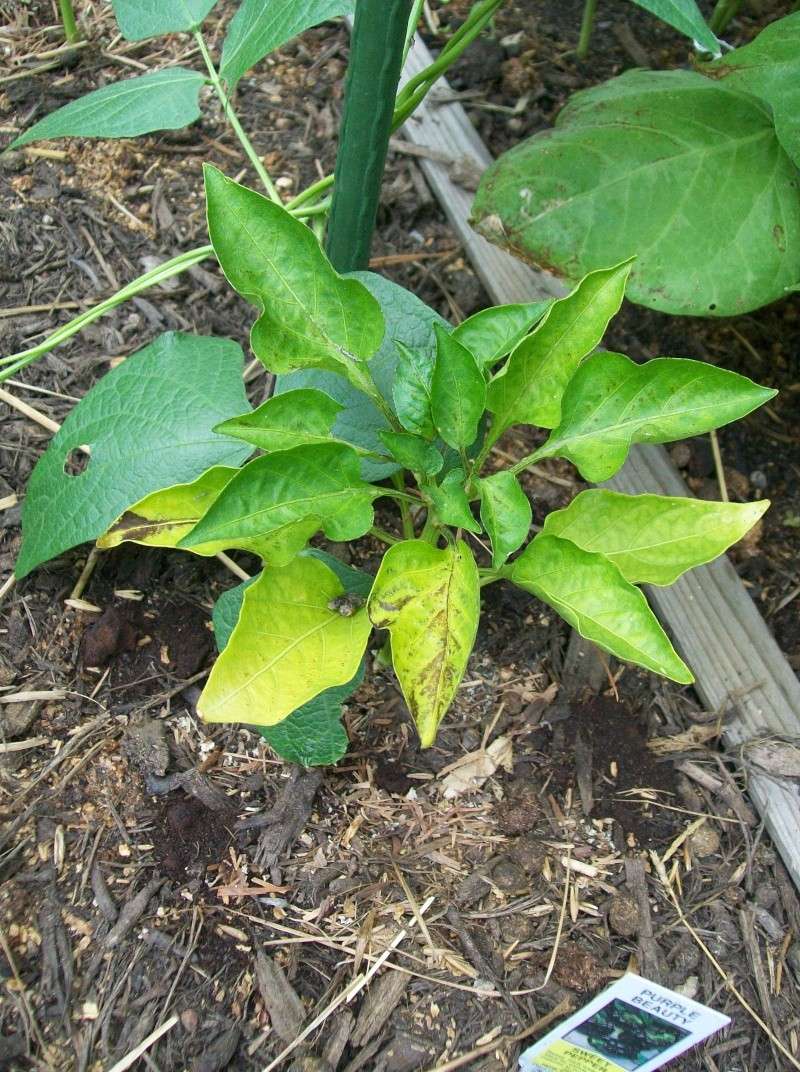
[{"x": 163, "y": 875}]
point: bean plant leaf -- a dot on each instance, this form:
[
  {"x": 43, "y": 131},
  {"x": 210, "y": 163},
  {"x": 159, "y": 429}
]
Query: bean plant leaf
[
  {"x": 505, "y": 513},
  {"x": 413, "y": 452},
  {"x": 429, "y": 600},
  {"x": 458, "y": 392},
  {"x": 258, "y": 28},
  {"x": 451, "y": 503},
  {"x": 529, "y": 388},
  {"x": 409, "y": 322},
  {"x": 652, "y": 539},
  {"x": 492, "y": 333},
  {"x": 288, "y": 646},
  {"x": 287, "y": 496},
  {"x": 162, "y": 100},
  {"x": 684, "y": 16},
  {"x": 138, "y": 19},
  {"x": 677, "y": 169},
  {"x": 591, "y": 594},
  {"x": 147, "y": 424},
  {"x": 310, "y": 316},
  {"x": 313, "y": 735},
  {"x": 285, "y": 421},
  {"x": 769, "y": 68},
  {"x": 611, "y": 403}
]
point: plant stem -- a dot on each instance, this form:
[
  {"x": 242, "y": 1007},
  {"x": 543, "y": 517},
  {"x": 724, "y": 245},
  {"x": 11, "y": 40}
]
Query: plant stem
[
  {"x": 405, "y": 512},
  {"x": 724, "y": 11},
  {"x": 413, "y": 22},
  {"x": 529, "y": 459},
  {"x": 489, "y": 576},
  {"x": 402, "y": 496},
  {"x": 310, "y": 192},
  {"x": 587, "y": 23},
  {"x": 152, "y": 278},
  {"x": 230, "y": 115},
  {"x": 71, "y": 31},
  {"x": 383, "y": 535},
  {"x": 376, "y": 57}
]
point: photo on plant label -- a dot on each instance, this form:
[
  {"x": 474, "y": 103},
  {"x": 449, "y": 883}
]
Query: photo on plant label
[{"x": 628, "y": 1036}]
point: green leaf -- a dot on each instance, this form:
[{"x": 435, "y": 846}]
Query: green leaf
[
  {"x": 413, "y": 452},
  {"x": 289, "y": 496},
  {"x": 138, "y": 19},
  {"x": 506, "y": 514},
  {"x": 529, "y": 388},
  {"x": 285, "y": 421},
  {"x": 313, "y": 735},
  {"x": 684, "y": 16},
  {"x": 590, "y": 593},
  {"x": 408, "y": 322},
  {"x": 652, "y": 539},
  {"x": 163, "y": 100},
  {"x": 611, "y": 403},
  {"x": 412, "y": 390},
  {"x": 309, "y": 315},
  {"x": 458, "y": 392},
  {"x": 769, "y": 68},
  {"x": 451, "y": 503},
  {"x": 288, "y": 646},
  {"x": 258, "y": 28},
  {"x": 148, "y": 425},
  {"x": 492, "y": 333},
  {"x": 683, "y": 172},
  {"x": 429, "y": 600}
]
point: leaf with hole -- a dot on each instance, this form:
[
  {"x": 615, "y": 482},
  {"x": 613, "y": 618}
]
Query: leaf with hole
[
  {"x": 492, "y": 333},
  {"x": 458, "y": 392},
  {"x": 505, "y": 513},
  {"x": 310, "y": 316},
  {"x": 612, "y": 403},
  {"x": 680, "y": 171},
  {"x": 148, "y": 425},
  {"x": 139, "y": 19},
  {"x": 287, "y": 497},
  {"x": 285, "y": 421},
  {"x": 529, "y": 388},
  {"x": 429, "y": 600},
  {"x": 258, "y": 28},
  {"x": 590, "y": 593},
  {"x": 162, "y": 100},
  {"x": 287, "y": 647},
  {"x": 653, "y": 539}
]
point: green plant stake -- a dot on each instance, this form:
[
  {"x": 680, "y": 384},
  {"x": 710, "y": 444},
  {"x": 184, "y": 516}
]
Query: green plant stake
[
  {"x": 71, "y": 31},
  {"x": 376, "y": 57}
]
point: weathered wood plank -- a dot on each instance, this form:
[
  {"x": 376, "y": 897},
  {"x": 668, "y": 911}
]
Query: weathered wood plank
[{"x": 716, "y": 626}]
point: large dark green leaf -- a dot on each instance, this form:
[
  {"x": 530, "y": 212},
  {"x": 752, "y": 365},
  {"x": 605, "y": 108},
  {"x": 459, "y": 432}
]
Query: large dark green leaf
[
  {"x": 611, "y": 403},
  {"x": 163, "y": 100},
  {"x": 682, "y": 172},
  {"x": 138, "y": 19},
  {"x": 148, "y": 426},
  {"x": 261, "y": 26}
]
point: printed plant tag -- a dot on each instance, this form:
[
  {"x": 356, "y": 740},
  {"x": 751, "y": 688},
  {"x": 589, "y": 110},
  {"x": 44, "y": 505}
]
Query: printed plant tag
[{"x": 634, "y": 1025}]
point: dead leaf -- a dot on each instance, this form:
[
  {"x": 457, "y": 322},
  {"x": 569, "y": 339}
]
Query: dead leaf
[
  {"x": 471, "y": 771},
  {"x": 694, "y": 737},
  {"x": 776, "y": 755}
]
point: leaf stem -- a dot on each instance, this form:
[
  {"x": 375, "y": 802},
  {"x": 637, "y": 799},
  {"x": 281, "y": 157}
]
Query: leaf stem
[
  {"x": 237, "y": 127},
  {"x": 587, "y": 24},
  {"x": 401, "y": 496},
  {"x": 384, "y": 536},
  {"x": 489, "y": 576},
  {"x": 413, "y": 21},
  {"x": 405, "y": 511},
  {"x": 529, "y": 459},
  {"x": 71, "y": 32}
]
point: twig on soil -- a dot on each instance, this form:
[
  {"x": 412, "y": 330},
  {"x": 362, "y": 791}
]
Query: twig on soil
[
  {"x": 144, "y": 1045},
  {"x": 131, "y": 913},
  {"x": 28, "y": 411}
]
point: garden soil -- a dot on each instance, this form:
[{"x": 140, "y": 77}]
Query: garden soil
[{"x": 158, "y": 873}]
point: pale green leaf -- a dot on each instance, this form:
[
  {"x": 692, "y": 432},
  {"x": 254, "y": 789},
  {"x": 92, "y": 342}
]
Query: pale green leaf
[
  {"x": 669, "y": 166},
  {"x": 288, "y": 646},
  {"x": 285, "y": 421},
  {"x": 162, "y": 100},
  {"x": 289, "y": 496},
  {"x": 611, "y": 403},
  {"x": 492, "y": 333},
  {"x": 652, "y": 539},
  {"x": 684, "y": 16},
  {"x": 310, "y": 316},
  {"x": 458, "y": 392},
  {"x": 590, "y": 593},
  {"x": 506, "y": 514},
  {"x": 413, "y": 452},
  {"x": 451, "y": 503},
  {"x": 148, "y": 425},
  {"x": 138, "y": 19},
  {"x": 259, "y": 27},
  {"x": 529, "y": 388},
  {"x": 429, "y": 600}
]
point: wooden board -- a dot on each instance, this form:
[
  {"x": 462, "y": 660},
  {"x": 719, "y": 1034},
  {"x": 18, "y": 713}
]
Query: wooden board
[{"x": 739, "y": 668}]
